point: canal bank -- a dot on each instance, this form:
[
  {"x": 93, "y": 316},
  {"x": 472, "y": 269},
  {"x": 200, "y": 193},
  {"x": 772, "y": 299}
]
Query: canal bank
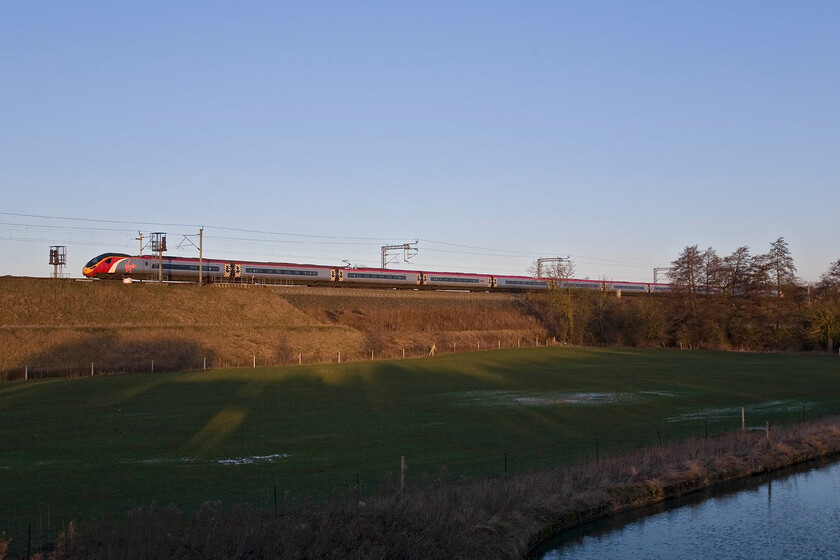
[
  {"x": 660, "y": 475},
  {"x": 787, "y": 514}
]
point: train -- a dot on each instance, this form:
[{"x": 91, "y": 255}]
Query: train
[{"x": 186, "y": 269}]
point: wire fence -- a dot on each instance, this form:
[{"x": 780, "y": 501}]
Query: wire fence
[{"x": 288, "y": 357}]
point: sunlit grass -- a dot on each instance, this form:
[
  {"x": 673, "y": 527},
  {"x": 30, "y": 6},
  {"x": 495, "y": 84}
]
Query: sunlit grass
[{"x": 99, "y": 446}]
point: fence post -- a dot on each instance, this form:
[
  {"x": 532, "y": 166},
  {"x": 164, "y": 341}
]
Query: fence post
[
  {"x": 743, "y": 421},
  {"x": 153, "y": 366},
  {"x": 91, "y": 369},
  {"x": 339, "y": 356},
  {"x": 255, "y": 360},
  {"x": 300, "y": 357},
  {"x": 402, "y": 474},
  {"x": 26, "y": 374},
  {"x": 403, "y": 352}
]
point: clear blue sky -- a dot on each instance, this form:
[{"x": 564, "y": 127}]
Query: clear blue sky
[{"x": 615, "y": 132}]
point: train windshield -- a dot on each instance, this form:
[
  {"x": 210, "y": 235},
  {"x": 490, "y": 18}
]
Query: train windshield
[{"x": 94, "y": 260}]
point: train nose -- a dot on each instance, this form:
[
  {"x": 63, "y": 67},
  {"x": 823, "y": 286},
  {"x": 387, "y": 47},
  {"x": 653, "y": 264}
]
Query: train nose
[{"x": 88, "y": 271}]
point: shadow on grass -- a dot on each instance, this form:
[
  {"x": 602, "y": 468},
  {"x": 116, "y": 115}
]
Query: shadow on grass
[{"x": 105, "y": 353}]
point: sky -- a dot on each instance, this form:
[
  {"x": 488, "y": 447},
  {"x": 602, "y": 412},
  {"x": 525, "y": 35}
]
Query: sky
[{"x": 493, "y": 133}]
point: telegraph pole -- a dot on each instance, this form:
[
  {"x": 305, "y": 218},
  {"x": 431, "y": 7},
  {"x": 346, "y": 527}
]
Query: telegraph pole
[
  {"x": 140, "y": 239},
  {"x": 408, "y": 252}
]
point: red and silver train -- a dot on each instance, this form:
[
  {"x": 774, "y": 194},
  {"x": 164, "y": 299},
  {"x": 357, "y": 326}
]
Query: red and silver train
[{"x": 185, "y": 269}]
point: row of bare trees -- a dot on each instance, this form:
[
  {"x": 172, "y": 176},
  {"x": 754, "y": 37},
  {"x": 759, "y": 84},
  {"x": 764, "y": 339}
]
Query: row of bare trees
[
  {"x": 736, "y": 274},
  {"x": 812, "y": 310},
  {"x": 738, "y": 301}
]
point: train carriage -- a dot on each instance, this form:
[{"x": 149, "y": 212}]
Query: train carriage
[
  {"x": 660, "y": 288},
  {"x": 379, "y": 276},
  {"x": 283, "y": 273},
  {"x": 575, "y": 284},
  {"x": 457, "y": 280},
  {"x": 184, "y": 269},
  {"x": 519, "y": 283},
  {"x": 119, "y": 265},
  {"x": 627, "y": 287}
]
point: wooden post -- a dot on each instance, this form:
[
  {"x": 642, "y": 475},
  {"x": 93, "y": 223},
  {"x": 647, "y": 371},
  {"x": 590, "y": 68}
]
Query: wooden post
[
  {"x": 743, "y": 421},
  {"x": 205, "y": 362},
  {"x": 300, "y": 357},
  {"x": 479, "y": 345},
  {"x": 519, "y": 343},
  {"x": 255, "y": 360},
  {"x": 402, "y": 474},
  {"x": 403, "y": 352},
  {"x": 26, "y": 374},
  {"x": 767, "y": 432},
  {"x": 91, "y": 369},
  {"x": 153, "y": 367},
  {"x": 339, "y": 356},
  {"x": 500, "y": 345}
]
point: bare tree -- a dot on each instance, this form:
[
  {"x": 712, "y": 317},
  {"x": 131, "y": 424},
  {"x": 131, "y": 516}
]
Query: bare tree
[
  {"x": 687, "y": 269},
  {"x": 830, "y": 281},
  {"x": 780, "y": 264},
  {"x": 563, "y": 305},
  {"x": 824, "y": 314},
  {"x": 737, "y": 273},
  {"x": 712, "y": 272}
]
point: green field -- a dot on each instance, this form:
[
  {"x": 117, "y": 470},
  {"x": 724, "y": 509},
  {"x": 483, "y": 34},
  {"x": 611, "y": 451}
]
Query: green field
[{"x": 100, "y": 446}]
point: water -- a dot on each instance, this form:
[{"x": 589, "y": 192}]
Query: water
[{"x": 793, "y": 517}]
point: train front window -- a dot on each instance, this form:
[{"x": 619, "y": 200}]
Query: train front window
[{"x": 95, "y": 260}]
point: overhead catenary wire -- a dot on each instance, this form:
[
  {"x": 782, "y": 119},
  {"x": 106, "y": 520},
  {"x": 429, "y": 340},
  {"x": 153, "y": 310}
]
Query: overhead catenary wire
[{"x": 275, "y": 245}]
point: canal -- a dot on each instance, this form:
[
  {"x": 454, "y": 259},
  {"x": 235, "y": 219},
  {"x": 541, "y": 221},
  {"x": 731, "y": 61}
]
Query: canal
[{"x": 791, "y": 515}]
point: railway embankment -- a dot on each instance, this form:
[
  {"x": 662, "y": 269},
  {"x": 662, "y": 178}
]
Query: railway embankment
[{"x": 55, "y": 328}]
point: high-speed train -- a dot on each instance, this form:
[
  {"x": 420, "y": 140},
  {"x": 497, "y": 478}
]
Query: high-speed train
[{"x": 186, "y": 269}]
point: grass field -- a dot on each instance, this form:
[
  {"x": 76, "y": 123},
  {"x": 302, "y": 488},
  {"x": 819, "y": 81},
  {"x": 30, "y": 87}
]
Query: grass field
[{"x": 89, "y": 447}]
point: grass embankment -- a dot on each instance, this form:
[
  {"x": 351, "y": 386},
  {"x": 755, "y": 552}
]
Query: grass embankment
[
  {"x": 98, "y": 447},
  {"x": 50, "y": 328}
]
